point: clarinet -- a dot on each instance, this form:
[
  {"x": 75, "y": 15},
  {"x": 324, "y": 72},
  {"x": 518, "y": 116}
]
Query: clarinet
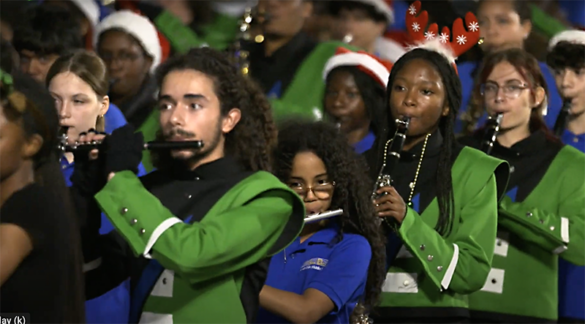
[
  {"x": 63, "y": 146},
  {"x": 392, "y": 156},
  {"x": 562, "y": 118},
  {"x": 492, "y": 129}
]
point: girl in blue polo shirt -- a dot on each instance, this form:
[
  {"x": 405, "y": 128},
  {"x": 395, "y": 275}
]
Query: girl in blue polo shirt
[
  {"x": 354, "y": 99},
  {"x": 336, "y": 263},
  {"x": 566, "y": 58}
]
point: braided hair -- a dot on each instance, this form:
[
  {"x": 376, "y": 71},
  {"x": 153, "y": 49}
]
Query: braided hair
[{"x": 452, "y": 86}]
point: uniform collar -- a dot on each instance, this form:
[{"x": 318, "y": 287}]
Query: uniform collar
[
  {"x": 533, "y": 144},
  {"x": 225, "y": 167}
]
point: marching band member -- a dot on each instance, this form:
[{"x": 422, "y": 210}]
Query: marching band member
[
  {"x": 443, "y": 202},
  {"x": 566, "y": 57},
  {"x": 79, "y": 84},
  {"x": 542, "y": 216},
  {"x": 40, "y": 260},
  {"x": 335, "y": 263},
  {"x": 355, "y": 87},
  {"x": 206, "y": 221}
]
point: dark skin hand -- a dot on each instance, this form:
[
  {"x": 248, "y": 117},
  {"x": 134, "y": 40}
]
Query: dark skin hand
[{"x": 390, "y": 204}]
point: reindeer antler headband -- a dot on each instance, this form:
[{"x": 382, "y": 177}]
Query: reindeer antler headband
[{"x": 430, "y": 39}]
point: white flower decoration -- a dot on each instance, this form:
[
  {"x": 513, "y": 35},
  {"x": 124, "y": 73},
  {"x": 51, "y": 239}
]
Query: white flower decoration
[
  {"x": 461, "y": 40},
  {"x": 415, "y": 27},
  {"x": 474, "y": 26},
  {"x": 429, "y": 35},
  {"x": 444, "y": 38},
  {"x": 412, "y": 10}
]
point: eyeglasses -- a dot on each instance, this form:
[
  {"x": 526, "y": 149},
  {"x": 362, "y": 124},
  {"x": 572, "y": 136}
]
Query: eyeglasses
[
  {"x": 322, "y": 190},
  {"x": 511, "y": 91}
]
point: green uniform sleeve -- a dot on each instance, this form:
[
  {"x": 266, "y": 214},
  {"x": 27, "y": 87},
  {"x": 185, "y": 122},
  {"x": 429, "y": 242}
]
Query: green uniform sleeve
[
  {"x": 560, "y": 233},
  {"x": 213, "y": 247},
  {"x": 462, "y": 261}
]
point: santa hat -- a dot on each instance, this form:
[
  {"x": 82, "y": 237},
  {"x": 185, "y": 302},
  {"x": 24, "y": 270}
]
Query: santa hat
[
  {"x": 371, "y": 65},
  {"x": 571, "y": 36},
  {"x": 383, "y": 7},
  {"x": 449, "y": 46},
  {"x": 139, "y": 27},
  {"x": 389, "y": 49},
  {"x": 90, "y": 9}
]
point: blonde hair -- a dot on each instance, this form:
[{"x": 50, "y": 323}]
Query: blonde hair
[{"x": 90, "y": 68}]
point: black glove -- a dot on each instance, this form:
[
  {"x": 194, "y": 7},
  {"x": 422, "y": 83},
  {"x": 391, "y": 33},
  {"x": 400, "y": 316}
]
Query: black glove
[
  {"x": 88, "y": 175},
  {"x": 123, "y": 150}
]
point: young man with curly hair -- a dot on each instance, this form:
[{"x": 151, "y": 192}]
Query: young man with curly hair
[
  {"x": 566, "y": 57},
  {"x": 207, "y": 220}
]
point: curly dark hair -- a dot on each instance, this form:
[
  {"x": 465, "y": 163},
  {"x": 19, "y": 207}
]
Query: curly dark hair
[
  {"x": 352, "y": 189},
  {"x": 372, "y": 93},
  {"x": 452, "y": 86},
  {"x": 254, "y": 137}
]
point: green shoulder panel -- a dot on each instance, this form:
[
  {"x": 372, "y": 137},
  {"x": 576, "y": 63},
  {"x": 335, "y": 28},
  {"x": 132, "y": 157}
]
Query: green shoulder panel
[
  {"x": 474, "y": 168},
  {"x": 256, "y": 185}
]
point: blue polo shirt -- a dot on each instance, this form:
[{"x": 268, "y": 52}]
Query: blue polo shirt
[
  {"x": 337, "y": 268},
  {"x": 114, "y": 118},
  {"x": 572, "y": 277},
  {"x": 365, "y": 144}
]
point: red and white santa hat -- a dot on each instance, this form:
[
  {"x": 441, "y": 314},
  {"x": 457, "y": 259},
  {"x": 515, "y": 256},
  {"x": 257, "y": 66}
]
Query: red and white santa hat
[
  {"x": 449, "y": 45},
  {"x": 571, "y": 36},
  {"x": 383, "y": 7},
  {"x": 376, "y": 68},
  {"x": 136, "y": 25}
]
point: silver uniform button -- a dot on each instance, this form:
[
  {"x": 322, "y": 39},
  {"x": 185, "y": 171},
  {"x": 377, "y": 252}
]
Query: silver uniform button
[
  {"x": 142, "y": 231},
  {"x": 422, "y": 247},
  {"x": 552, "y": 228},
  {"x": 133, "y": 221},
  {"x": 124, "y": 210},
  {"x": 440, "y": 268},
  {"x": 528, "y": 214},
  {"x": 430, "y": 258}
]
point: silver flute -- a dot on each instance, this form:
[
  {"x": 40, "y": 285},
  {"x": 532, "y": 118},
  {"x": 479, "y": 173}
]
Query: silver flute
[{"x": 323, "y": 215}]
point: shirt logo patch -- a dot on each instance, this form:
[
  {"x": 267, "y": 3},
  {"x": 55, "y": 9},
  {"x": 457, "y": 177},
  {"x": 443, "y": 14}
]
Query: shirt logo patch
[{"x": 315, "y": 264}]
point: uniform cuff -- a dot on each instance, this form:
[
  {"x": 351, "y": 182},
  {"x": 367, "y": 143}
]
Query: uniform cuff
[
  {"x": 555, "y": 230},
  {"x": 439, "y": 258},
  {"x": 135, "y": 213}
]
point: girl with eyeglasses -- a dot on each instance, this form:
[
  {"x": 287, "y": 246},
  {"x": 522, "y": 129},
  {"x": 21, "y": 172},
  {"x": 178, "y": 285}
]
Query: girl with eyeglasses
[
  {"x": 336, "y": 263},
  {"x": 542, "y": 217},
  {"x": 503, "y": 24}
]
